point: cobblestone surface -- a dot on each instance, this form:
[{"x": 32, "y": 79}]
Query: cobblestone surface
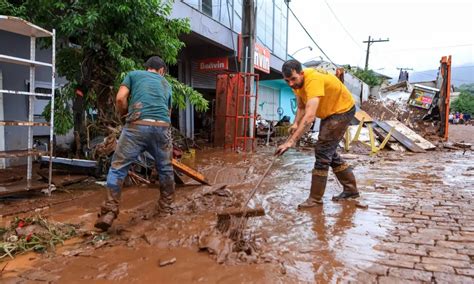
[{"x": 432, "y": 236}]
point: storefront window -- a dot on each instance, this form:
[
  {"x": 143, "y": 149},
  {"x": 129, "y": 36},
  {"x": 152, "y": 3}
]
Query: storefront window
[
  {"x": 271, "y": 25},
  {"x": 219, "y": 10},
  {"x": 271, "y": 19}
]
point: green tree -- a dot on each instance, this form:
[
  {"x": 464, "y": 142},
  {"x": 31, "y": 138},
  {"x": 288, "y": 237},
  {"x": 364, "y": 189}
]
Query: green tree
[
  {"x": 367, "y": 76},
  {"x": 99, "y": 41},
  {"x": 465, "y": 102}
]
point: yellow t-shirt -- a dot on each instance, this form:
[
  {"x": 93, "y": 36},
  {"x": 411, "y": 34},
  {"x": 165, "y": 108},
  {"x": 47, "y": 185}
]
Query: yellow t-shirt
[{"x": 335, "y": 98}]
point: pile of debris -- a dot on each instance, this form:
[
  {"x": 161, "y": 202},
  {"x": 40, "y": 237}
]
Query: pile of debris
[
  {"x": 403, "y": 117},
  {"x": 33, "y": 234}
]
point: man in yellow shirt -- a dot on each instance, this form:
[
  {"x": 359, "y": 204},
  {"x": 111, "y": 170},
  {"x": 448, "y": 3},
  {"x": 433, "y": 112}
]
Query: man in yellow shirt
[{"x": 321, "y": 94}]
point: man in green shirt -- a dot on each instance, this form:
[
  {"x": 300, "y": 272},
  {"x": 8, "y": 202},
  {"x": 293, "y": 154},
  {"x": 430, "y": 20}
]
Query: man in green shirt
[{"x": 144, "y": 99}]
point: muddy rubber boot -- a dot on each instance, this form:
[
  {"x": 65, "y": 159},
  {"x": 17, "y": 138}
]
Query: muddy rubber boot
[
  {"x": 165, "y": 203},
  {"x": 108, "y": 211},
  {"x": 318, "y": 186},
  {"x": 347, "y": 179}
]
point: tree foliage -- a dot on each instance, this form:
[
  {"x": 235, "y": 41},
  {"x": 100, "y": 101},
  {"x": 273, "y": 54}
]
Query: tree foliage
[
  {"x": 367, "y": 76},
  {"x": 465, "y": 102},
  {"x": 99, "y": 41}
]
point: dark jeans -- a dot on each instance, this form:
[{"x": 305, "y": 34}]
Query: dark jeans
[
  {"x": 331, "y": 132},
  {"x": 135, "y": 139}
]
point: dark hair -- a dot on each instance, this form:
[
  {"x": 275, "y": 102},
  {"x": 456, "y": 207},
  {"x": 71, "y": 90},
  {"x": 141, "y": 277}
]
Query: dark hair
[
  {"x": 289, "y": 66},
  {"x": 155, "y": 62}
]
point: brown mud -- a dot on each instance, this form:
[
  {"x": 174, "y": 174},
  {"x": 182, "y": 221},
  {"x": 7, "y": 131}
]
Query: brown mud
[{"x": 338, "y": 241}]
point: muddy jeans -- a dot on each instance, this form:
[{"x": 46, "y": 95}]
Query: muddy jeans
[
  {"x": 135, "y": 139},
  {"x": 331, "y": 132}
]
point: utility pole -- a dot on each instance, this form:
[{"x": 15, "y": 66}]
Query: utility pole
[
  {"x": 248, "y": 36},
  {"x": 403, "y": 76},
  {"x": 369, "y": 42}
]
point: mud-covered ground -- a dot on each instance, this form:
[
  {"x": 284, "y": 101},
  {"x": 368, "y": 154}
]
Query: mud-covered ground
[
  {"x": 461, "y": 133},
  {"x": 419, "y": 225}
]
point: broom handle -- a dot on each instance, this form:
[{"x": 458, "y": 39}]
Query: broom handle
[{"x": 254, "y": 190}]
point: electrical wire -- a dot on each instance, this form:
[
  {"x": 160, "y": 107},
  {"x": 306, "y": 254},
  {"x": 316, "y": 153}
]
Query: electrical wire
[
  {"x": 306, "y": 31},
  {"x": 422, "y": 48},
  {"x": 342, "y": 26}
]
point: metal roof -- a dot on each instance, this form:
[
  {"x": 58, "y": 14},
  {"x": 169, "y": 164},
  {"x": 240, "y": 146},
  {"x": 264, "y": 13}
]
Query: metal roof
[{"x": 22, "y": 27}]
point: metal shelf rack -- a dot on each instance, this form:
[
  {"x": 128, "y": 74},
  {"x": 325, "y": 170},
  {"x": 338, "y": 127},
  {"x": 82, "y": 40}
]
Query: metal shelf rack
[{"x": 24, "y": 28}]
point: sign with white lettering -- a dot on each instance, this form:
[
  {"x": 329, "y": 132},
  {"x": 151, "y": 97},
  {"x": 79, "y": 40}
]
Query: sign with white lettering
[
  {"x": 261, "y": 58},
  {"x": 213, "y": 64}
]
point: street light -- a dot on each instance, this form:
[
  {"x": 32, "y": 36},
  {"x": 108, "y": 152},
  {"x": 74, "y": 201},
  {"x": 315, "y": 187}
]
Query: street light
[{"x": 310, "y": 48}]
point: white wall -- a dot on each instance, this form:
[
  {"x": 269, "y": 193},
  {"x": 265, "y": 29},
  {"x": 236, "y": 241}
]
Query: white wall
[{"x": 268, "y": 102}]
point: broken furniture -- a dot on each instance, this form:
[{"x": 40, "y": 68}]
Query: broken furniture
[{"x": 22, "y": 27}]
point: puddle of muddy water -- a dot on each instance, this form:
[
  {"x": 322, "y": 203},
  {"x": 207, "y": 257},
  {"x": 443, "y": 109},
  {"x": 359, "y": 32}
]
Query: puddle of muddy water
[{"x": 325, "y": 244}]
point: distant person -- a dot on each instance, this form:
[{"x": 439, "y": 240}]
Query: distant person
[
  {"x": 461, "y": 118},
  {"x": 467, "y": 118},
  {"x": 144, "y": 98},
  {"x": 451, "y": 118},
  {"x": 321, "y": 94},
  {"x": 456, "y": 118}
]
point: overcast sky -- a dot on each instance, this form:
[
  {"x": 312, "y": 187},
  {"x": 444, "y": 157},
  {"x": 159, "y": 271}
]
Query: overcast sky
[{"x": 420, "y": 32}]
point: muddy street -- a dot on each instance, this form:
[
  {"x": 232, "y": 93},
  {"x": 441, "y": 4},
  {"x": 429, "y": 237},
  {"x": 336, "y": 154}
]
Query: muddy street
[{"x": 419, "y": 226}]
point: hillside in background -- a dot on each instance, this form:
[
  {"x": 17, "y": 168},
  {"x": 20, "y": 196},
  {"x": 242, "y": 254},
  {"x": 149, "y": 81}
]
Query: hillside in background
[{"x": 460, "y": 75}]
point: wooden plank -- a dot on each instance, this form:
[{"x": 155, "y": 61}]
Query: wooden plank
[
  {"x": 382, "y": 134},
  {"x": 412, "y": 135},
  {"x": 247, "y": 212},
  {"x": 405, "y": 141},
  {"x": 359, "y": 115},
  {"x": 190, "y": 172}
]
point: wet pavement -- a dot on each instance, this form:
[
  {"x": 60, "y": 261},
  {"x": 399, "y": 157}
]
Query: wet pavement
[{"x": 419, "y": 226}]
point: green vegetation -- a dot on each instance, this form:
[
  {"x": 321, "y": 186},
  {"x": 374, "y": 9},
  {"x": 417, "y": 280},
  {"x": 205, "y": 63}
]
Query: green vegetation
[
  {"x": 367, "y": 76},
  {"x": 99, "y": 41},
  {"x": 465, "y": 102},
  {"x": 33, "y": 234}
]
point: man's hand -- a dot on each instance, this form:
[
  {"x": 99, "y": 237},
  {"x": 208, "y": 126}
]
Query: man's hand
[
  {"x": 284, "y": 147},
  {"x": 293, "y": 128}
]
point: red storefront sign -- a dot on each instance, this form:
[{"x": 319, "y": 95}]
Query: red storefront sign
[
  {"x": 261, "y": 58},
  {"x": 213, "y": 64}
]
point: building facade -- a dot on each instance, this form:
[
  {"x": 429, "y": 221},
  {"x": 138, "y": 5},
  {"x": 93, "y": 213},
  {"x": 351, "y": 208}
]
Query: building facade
[{"x": 212, "y": 47}]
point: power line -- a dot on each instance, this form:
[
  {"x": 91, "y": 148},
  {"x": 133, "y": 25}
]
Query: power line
[
  {"x": 306, "y": 31},
  {"x": 340, "y": 23},
  {"x": 423, "y": 48}
]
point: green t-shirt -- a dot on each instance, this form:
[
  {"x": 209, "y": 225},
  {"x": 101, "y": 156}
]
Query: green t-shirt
[{"x": 150, "y": 96}]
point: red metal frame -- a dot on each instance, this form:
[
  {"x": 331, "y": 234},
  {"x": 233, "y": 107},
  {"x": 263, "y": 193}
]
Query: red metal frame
[
  {"x": 237, "y": 117},
  {"x": 246, "y": 95}
]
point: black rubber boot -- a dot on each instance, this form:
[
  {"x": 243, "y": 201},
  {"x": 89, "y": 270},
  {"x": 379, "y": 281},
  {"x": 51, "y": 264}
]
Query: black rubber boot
[
  {"x": 318, "y": 186},
  {"x": 347, "y": 179},
  {"x": 108, "y": 211}
]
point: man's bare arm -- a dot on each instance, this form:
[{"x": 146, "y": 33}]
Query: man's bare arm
[
  {"x": 122, "y": 100},
  {"x": 306, "y": 121},
  {"x": 300, "y": 111}
]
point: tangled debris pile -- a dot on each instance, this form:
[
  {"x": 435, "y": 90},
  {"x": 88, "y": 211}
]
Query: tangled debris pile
[{"x": 33, "y": 234}]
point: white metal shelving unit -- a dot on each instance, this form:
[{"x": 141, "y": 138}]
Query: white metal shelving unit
[{"x": 22, "y": 27}]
